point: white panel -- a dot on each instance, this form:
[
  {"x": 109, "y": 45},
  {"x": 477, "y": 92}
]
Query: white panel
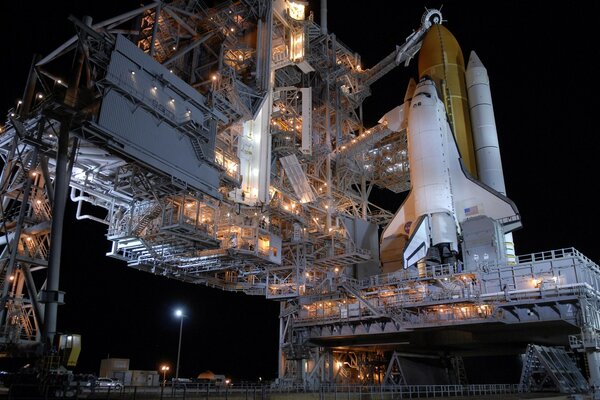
[
  {"x": 297, "y": 178},
  {"x": 255, "y": 156},
  {"x": 145, "y": 114},
  {"x": 264, "y": 173},
  {"x": 137, "y": 134},
  {"x": 306, "y": 147},
  {"x": 275, "y": 251},
  {"x": 249, "y": 163}
]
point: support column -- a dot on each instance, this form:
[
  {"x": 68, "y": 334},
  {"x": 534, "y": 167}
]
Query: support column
[
  {"x": 593, "y": 358},
  {"x": 155, "y": 29},
  {"x": 281, "y": 357},
  {"x": 51, "y": 296}
]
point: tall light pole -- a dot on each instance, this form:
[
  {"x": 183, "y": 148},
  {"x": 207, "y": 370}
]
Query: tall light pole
[
  {"x": 164, "y": 369},
  {"x": 180, "y": 315}
]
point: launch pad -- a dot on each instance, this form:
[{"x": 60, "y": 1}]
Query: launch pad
[{"x": 226, "y": 148}]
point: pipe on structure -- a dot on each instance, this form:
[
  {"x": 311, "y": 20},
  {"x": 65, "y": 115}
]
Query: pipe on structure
[
  {"x": 79, "y": 200},
  {"x": 324, "y": 17}
]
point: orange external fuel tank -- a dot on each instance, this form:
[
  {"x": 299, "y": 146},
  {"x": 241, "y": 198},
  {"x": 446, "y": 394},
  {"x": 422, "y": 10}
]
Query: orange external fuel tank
[{"x": 442, "y": 60}]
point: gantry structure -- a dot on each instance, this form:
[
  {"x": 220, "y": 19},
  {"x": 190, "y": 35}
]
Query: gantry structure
[{"x": 224, "y": 146}]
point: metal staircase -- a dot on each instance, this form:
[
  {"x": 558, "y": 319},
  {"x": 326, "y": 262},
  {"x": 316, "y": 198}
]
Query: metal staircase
[{"x": 549, "y": 369}]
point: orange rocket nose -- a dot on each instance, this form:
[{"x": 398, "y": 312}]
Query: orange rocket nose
[
  {"x": 442, "y": 60},
  {"x": 439, "y": 48}
]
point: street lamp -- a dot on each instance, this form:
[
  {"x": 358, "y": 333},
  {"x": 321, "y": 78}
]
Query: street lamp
[
  {"x": 180, "y": 315},
  {"x": 164, "y": 369}
]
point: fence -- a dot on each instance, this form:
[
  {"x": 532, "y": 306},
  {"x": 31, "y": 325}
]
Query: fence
[{"x": 266, "y": 392}]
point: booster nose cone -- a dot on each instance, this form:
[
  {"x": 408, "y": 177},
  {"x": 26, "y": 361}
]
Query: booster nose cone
[{"x": 476, "y": 73}]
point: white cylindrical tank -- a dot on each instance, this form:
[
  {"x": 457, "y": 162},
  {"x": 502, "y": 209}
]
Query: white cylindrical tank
[
  {"x": 483, "y": 125},
  {"x": 485, "y": 135}
]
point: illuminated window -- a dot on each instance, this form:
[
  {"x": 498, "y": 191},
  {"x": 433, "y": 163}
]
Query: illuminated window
[
  {"x": 264, "y": 244},
  {"x": 297, "y": 46},
  {"x": 296, "y": 10}
]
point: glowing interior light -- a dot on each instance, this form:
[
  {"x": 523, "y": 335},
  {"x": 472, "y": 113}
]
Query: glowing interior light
[
  {"x": 19, "y": 102},
  {"x": 214, "y": 77},
  {"x": 297, "y": 46},
  {"x": 296, "y": 10},
  {"x": 59, "y": 81},
  {"x": 40, "y": 96}
]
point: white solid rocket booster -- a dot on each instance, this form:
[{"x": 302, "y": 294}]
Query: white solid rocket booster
[
  {"x": 483, "y": 125},
  {"x": 485, "y": 135}
]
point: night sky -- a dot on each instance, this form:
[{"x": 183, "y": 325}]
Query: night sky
[{"x": 545, "y": 91}]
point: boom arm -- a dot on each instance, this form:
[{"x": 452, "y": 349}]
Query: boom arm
[{"x": 404, "y": 53}]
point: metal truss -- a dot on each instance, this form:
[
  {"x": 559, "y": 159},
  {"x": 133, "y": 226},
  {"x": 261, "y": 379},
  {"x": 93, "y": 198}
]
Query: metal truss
[{"x": 157, "y": 222}]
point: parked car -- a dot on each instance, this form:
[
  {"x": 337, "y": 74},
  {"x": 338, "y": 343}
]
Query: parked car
[
  {"x": 108, "y": 383},
  {"x": 180, "y": 382}
]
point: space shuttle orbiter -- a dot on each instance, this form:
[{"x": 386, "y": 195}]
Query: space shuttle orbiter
[{"x": 449, "y": 213}]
